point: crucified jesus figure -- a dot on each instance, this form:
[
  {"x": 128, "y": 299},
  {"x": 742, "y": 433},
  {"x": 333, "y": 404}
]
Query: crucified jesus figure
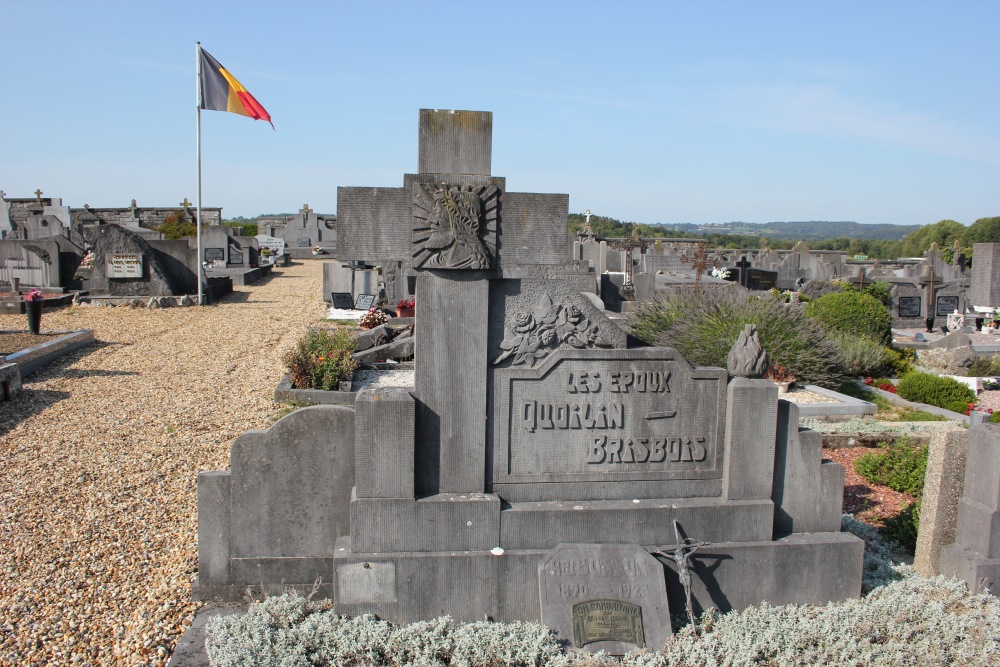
[{"x": 681, "y": 554}]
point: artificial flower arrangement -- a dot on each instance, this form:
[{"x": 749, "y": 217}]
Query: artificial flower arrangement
[
  {"x": 406, "y": 304},
  {"x": 373, "y": 318},
  {"x": 34, "y": 295}
]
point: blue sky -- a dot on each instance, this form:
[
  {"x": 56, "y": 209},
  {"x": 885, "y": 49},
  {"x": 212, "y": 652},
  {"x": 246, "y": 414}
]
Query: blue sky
[{"x": 874, "y": 111}]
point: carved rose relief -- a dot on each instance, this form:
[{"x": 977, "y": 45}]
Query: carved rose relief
[
  {"x": 454, "y": 227},
  {"x": 533, "y": 335}
]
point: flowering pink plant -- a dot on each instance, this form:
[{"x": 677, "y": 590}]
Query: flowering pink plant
[{"x": 34, "y": 295}]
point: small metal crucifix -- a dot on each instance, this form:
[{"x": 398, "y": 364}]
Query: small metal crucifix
[
  {"x": 681, "y": 554},
  {"x": 699, "y": 262}
]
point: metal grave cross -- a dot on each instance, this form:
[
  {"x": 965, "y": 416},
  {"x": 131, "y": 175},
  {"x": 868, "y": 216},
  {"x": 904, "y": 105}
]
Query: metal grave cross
[{"x": 698, "y": 261}]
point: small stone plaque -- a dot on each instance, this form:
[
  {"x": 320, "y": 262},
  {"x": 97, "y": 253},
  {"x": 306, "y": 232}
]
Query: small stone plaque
[
  {"x": 364, "y": 302},
  {"x": 124, "y": 266},
  {"x": 342, "y": 300},
  {"x": 605, "y": 597},
  {"x": 235, "y": 256},
  {"x": 946, "y": 305},
  {"x": 303, "y": 242},
  {"x": 274, "y": 244},
  {"x": 909, "y": 306},
  {"x": 215, "y": 254}
]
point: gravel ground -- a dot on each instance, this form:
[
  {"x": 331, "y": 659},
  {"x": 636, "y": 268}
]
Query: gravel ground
[{"x": 98, "y": 465}]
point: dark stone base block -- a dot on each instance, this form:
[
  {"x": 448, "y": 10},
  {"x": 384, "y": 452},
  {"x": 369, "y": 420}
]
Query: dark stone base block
[
  {"x": 470, "y": 585},
  {"x": 546, "y": 524}
]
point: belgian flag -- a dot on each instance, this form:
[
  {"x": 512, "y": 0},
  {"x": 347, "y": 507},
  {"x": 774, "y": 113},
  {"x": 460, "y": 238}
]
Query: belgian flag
[{"x": 220, "y": 91}]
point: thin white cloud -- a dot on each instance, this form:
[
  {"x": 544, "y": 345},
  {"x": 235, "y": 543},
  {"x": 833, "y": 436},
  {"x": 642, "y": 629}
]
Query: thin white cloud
[{"x": 823, "y": 109}]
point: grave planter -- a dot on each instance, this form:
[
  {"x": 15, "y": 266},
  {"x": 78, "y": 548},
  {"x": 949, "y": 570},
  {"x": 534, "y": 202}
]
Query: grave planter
[
  {"x": 405, "y": 312},
  {"x": 784, "y": 387},
  {"x": 34, "y": 311}
]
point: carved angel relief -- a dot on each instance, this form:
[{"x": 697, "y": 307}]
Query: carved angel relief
[
  {"x": 454, "y": 227},
  {"x": 533, "y": 335}
]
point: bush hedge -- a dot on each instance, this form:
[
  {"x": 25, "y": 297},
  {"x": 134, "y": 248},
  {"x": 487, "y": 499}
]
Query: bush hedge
[
  {"x": 942, "y": 392},
  {"x": 853, "y": 313},
  {"x": 704, "y": 323},
  {"x": 863, "y": 357}
]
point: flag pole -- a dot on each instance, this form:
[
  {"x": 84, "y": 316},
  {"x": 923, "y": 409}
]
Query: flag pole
[{"x": 197, "y": 142}]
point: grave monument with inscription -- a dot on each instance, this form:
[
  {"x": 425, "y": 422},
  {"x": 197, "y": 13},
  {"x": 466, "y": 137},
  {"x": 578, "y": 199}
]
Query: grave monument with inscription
[{"x": 540, "y": 467}]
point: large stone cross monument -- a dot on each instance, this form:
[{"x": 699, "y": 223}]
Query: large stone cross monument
[{"x": 541, "y": 466}]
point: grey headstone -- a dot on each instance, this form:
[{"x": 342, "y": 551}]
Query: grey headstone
[
  {"x": 455, "y": 142},
  {"x": 984, "y": 289},
  {"x": 605, "y": 597}
]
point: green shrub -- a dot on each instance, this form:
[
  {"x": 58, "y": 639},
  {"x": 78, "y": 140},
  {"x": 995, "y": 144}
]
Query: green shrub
[
  {"x": 995, "y": 417},
  {"x": 943, "y": 392},
  {"x": 907, "y": 415},
  {"x": 177, "y": 226},
  {"x": 881, "y": 291},
  {"x": 900, "y": 466},
  {"x": 903, "y": 360},
  {"x": 863, "y": 357},
  {"x": 703, "y": 324},
  {"x": 322, "y": 359},
  {"x": 249, "y": 228},
  {"x": 984, "y": 367},
  {"x": 854, "y": 313},
  {"x": 903, "y": 527}
]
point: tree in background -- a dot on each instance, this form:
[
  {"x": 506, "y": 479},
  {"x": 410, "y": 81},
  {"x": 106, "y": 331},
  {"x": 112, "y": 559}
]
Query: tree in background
[
  {"x": 944, "y": 233},
  {"x": 983, "y": 230}
]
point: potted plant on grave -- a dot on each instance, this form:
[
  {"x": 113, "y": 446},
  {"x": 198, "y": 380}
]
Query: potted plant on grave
[
  {"x": 322, "y": 359},
  {"x": 317, "y": 250},
  {"x": 372, "y": 319},
  {"x": 33, "y": 308},
  {"x": 777, "y": 374},
  {"x": 406, "y": 307}
]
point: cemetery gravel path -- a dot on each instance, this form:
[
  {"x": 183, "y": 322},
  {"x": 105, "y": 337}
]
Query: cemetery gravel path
[{"x": 98, "y": 465}]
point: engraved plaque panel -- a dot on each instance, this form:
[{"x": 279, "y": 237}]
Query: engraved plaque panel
[
  {"x": 607, "y": 620},
  {"x": 609, "y": 416},
  {"x": 946, "y": 305},
  {"x": 214, "y": 254},
  {"x": 605, "y": 597},
  {"x": 909, "y": 306},
  {"x": 122, "y": 265}
]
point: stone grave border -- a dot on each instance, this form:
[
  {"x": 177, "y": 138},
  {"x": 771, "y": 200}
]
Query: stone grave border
[
  {"x": 841, "y": 404},
  {"x": 284, "y": 391},
  {"x": 17, "y": 305},
  {"x": 31, "y": 359}
]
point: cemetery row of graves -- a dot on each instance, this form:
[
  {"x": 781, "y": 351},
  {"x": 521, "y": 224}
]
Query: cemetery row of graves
[{"x": 596, "y": 445}]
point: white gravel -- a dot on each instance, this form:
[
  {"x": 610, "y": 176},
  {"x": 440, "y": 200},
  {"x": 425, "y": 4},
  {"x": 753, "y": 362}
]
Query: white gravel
[
  {"x": 343, "y": 314},
  {"x": 386, "y": 378},
  {"x": 99, "y": 459}
]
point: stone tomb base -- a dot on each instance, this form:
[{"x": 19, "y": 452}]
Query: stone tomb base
[{"x": 470, "y": 585}]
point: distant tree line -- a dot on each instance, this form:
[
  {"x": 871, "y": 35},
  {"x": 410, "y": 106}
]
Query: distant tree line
[{"x": 945, "y": 233}]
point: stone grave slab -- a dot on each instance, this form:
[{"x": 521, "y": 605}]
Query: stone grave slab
[{"x": 605, "y": 597}]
